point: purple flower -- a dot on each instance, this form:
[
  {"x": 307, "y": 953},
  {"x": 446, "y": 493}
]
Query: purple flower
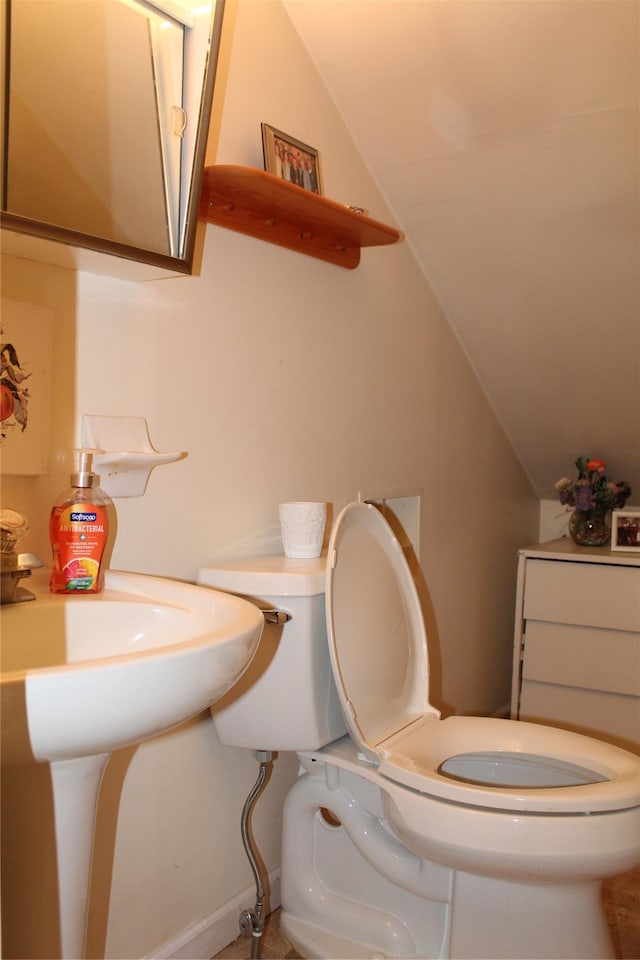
[
  {"x": 583, "y": 498},
  {"x": 621, "y": 494}
]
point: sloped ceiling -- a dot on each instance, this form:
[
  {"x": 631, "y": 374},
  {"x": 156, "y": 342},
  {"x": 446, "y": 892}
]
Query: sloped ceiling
[{"x": 504, "y": 135}]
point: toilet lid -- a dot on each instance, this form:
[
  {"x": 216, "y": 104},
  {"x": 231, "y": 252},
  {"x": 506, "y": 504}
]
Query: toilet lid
[{"x": 376, "y": 631}]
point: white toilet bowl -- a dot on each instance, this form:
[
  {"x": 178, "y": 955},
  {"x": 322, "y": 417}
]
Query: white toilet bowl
[
  {"x": 525, "y": 808},
  {"x": 415, "y": 836},
  {"x": 371, "y": 868}
]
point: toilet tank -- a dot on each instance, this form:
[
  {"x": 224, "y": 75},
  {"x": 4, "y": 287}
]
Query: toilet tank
[{"x": 286, "y": 699}]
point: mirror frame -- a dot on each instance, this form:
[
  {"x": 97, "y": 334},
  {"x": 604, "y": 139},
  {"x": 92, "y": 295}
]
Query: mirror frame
[{"x": 47, "y": 231}]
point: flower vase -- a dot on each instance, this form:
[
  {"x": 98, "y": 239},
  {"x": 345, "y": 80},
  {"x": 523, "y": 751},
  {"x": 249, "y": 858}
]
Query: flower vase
[{"x": 590, "y": 528}]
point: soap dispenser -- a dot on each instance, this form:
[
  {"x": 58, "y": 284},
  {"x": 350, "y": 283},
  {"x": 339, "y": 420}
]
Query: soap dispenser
[{"x": 79, "y": 530}]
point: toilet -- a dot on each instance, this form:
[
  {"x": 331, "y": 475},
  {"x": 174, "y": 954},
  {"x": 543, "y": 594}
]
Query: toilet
[{"x": 406, "y": 835}]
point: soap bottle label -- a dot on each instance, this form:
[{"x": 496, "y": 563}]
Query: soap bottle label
[{"x": 78, "y": 538}]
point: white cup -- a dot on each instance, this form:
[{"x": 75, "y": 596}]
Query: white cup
[{"x": 302, "y": 525}]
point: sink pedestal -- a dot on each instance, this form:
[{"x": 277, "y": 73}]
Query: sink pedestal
[
  {"x": 76, "y": 785},
  {"x": 84, "y": 676}
]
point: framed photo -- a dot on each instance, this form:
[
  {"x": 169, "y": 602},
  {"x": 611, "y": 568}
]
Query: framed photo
[
  {"x": 625, "y": 530},
  {"x": 291, "y": 160}
]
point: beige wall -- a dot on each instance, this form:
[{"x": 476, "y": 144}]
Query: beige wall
[{"x": 284, "y": 378}]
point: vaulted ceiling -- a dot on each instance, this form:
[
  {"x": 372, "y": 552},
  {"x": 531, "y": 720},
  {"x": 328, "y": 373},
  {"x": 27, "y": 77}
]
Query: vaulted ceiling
[{"x": 504, "y": 135}]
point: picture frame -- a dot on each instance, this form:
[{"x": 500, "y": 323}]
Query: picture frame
[
  {"x": 625, "y": 530},
  {"x": 291, "y": 160}
]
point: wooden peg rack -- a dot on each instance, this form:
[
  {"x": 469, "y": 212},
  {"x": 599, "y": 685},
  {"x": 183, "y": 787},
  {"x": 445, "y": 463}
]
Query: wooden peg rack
[{"x": 262, "y": 205}]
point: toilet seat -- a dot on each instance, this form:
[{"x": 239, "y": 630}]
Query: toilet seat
[
  {"x": 609, "y": 780},
  {"x": 378, "y": 649}
]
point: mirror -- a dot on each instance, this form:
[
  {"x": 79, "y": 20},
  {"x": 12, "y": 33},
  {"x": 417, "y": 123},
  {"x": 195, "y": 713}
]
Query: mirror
[{"x": 106, "y": 108}]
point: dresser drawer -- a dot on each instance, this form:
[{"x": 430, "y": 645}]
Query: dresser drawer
[
  {"x": 606, "y": 716},
  {"x": 584, "y": 657},
  {"x": 592, "y": 594}
]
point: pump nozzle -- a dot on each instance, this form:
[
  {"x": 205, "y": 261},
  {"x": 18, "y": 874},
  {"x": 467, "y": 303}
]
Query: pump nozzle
[{"x": 85, "y": 477}]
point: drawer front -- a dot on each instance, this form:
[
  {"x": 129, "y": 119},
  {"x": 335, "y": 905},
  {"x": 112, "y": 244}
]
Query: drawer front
[
  {"x": 582, "y": 657},
  {"x": 606, "y": 716},
  {"x": 592, "y": 594}
]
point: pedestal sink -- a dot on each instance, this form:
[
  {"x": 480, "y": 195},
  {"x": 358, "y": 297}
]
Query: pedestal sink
[{"x": 83, "y": 676}]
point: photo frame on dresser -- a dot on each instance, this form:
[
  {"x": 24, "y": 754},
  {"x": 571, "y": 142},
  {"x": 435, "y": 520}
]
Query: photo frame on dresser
[{"x": 625, "y": 530}]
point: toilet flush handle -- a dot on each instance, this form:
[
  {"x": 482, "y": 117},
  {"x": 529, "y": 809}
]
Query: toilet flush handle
[{"x": 276, "y": 616}]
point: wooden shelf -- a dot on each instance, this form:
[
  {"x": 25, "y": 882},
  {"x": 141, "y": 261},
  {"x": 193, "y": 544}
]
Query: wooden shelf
[{"x": 261, "y": 205}]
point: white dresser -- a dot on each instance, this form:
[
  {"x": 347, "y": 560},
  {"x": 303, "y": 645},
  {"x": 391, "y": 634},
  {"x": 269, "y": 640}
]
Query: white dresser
[{"x": 577, "y": 640}]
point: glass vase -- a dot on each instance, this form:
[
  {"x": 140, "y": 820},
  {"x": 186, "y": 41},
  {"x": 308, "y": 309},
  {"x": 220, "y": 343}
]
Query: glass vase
[{"x": 590, "y": 528}]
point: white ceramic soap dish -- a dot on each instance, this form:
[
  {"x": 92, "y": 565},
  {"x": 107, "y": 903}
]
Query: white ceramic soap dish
[{"x": 123, "y": 454}]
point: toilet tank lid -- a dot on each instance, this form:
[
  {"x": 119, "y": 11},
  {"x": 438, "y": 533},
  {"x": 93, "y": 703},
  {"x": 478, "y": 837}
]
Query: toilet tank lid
[{"x": 266, "y": 576}]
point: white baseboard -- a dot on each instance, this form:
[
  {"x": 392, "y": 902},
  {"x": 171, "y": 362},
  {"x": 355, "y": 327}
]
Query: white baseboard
[{"x": 204, "y": 938}]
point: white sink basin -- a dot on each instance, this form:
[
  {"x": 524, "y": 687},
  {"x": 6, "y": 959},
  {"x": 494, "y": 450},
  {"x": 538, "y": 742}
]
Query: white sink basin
[
  {"x": 85, "y": 675},
  {"x": 109, "y": 670}
]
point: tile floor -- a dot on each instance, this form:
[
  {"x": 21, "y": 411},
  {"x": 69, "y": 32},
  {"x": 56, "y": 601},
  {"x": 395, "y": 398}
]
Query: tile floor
[{"x": 621, "y": 899}]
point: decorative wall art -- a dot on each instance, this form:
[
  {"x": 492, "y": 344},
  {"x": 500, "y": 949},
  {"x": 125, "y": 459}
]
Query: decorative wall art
[
  {"x": 26, "y": 351},
  {"x": 291, "y": 160}
]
